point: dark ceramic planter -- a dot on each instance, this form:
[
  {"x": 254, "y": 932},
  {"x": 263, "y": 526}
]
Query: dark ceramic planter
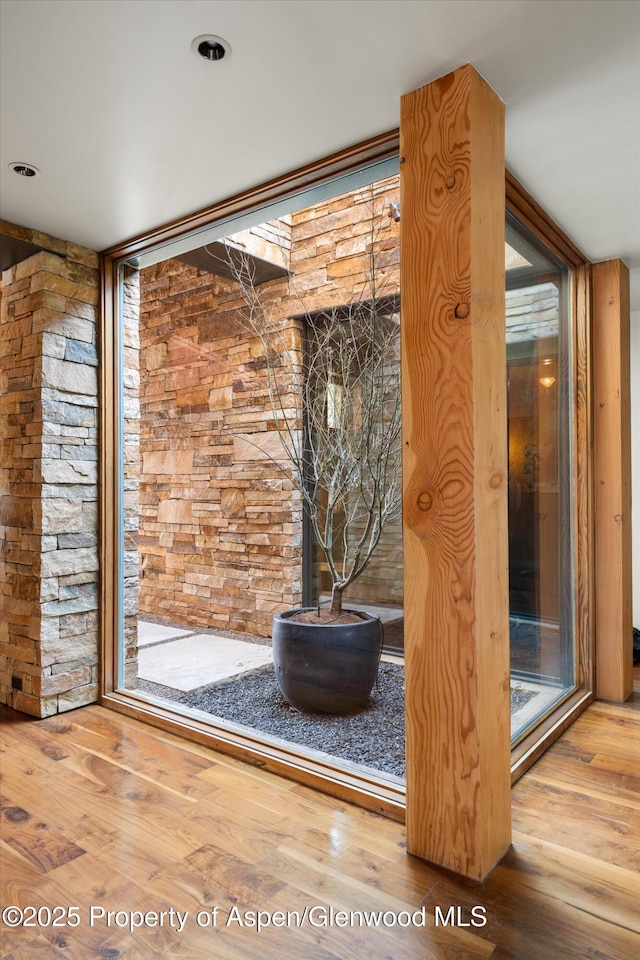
[{"x": 326, "y": 668}]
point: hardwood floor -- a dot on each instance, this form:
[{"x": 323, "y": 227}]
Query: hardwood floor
[{"x": 102, "y": 813}]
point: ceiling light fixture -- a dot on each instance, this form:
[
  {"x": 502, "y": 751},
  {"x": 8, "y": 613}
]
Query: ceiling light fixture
[
  {"x": 547, "y": 381},
  {"x": 210, "y": 47},
  {"x": 24, "y": 169}
]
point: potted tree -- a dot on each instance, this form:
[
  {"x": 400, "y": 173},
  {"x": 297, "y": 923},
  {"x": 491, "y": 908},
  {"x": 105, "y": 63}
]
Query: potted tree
[{"x": 341, "y": 437}]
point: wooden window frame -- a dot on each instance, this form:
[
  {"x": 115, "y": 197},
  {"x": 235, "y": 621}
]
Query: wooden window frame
[{"x": 377, "y": 794}]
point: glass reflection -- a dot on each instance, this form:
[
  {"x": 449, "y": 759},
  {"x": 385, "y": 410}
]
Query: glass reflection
[{"x": 540, "y": 470}]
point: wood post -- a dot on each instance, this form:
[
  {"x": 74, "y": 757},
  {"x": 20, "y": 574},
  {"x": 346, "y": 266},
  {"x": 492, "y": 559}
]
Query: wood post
[
  {"x": 612, "y": 443},
  {"x": 455, "y": 473}
]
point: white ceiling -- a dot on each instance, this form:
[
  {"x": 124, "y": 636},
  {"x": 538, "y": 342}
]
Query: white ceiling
[{"x": 130, "y": 129}]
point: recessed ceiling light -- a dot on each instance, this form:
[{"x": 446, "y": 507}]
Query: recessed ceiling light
[
  {"x": 210, "y": 47},
  {"x": 24, "y": 169}
]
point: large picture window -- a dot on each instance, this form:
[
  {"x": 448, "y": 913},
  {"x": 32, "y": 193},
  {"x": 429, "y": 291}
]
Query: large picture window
[
  {"x": 540, "y": 389},
  {"x": 259, "y": 369},
  {"x": 211, "y": 536}
]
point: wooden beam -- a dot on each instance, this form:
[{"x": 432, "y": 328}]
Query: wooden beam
[
  {"x": 455, "y": 473},
  {"x": 612, "y": 443}
]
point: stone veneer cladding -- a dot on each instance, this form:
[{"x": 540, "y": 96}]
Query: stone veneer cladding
[
  {"x": 237, "y": 553},
  {"x": 220, "y": 527},
  {"x": 131, "y": 470},
  {"x": 48, "y": 478}
]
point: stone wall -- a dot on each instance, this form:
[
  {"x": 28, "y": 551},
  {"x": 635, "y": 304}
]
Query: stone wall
[
  {"x": 220, "y": 526},
  {"x": 131, "y": 468},
  {"x": 48, "y": 478}
]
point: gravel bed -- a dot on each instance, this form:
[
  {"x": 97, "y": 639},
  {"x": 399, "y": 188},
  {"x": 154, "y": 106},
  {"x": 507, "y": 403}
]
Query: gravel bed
[{"x": 373, "y": 738}]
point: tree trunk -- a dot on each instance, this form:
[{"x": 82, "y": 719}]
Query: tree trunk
[{"x": 336, "y": 598}]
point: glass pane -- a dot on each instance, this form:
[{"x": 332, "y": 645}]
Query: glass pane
[
  {"x": 539, "y": 365},
  {"x": 215, "y": 537},
  {"x": 352, "y": 406}
]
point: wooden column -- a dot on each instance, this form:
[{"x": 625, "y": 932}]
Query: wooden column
[
  {"x": 612, "y": 443},
  {"x": 455, "y": 473}
]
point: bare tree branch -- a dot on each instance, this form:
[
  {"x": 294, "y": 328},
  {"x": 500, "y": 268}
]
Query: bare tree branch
[{"x": 335, "y": 399}]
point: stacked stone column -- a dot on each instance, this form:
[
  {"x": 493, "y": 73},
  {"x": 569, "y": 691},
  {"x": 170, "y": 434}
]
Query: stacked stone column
[{"x": 48, "y": 479}]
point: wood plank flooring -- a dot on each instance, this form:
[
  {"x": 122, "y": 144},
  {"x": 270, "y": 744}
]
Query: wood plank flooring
[{"x": 106, "y": 815}]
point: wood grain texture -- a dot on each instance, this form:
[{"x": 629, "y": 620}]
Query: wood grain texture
[
  {"x": 455, "y": 467},
  {"x": 583, "y": 482},
  {"x": 33, "y": 839},
  {"x": 350, "y": 783},
  {"x": 229, "y": 835},
  {"x": 612, "y": 459}
]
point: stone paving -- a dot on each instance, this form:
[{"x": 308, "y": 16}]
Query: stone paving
[{"x": 185, "y": 660}]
